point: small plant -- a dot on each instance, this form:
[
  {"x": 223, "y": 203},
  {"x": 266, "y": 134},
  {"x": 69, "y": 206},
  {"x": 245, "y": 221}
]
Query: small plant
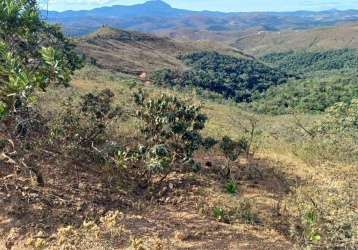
[
  {"x": 231, "y": 150},
  {"x": 245, "y": 214},
  {"x": 231, "y": 187},
  {"x": 241, "y": 211},
  {"x": 219, "y": 214}
]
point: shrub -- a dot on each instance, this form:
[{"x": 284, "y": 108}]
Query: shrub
[
  {"x": 81, "y": 129},
  {"x": 171, "y": 131},
  {"x": 231, "y": 150},
  {"x": 33, "y": 56}
]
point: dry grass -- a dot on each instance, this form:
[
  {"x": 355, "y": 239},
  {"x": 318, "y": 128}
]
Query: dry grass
[
  {"x": 259, "y": 43},
  {"x": 134, "y": 52}
]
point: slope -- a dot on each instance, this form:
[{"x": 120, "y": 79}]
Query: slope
[
  {"x": 238, "y": 78},
  {"x": 135, "y": 52},
  {"x": 260, "y": 42}
]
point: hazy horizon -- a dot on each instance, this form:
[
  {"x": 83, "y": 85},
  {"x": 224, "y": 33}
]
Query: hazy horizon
[{"x": 222, "y": 5}]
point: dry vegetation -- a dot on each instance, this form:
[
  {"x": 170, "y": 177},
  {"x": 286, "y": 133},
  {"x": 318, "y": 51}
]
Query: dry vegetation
[
  {"x": 265, "y": 205},
  {"x": 107, "y": 161},
  {"x": 135, "y": 52},
  {"x": 264, "y": 42}
]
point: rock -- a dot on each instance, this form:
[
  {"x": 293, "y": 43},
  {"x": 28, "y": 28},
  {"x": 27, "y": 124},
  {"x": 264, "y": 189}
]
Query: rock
[
  {"x": 82, "y": 185},
  {"x": 180, "y": 236}
]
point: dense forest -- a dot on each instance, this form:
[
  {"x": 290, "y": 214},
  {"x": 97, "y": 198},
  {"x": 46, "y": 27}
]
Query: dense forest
[
  {"x": 307, "y": 62},
  {"x": 300, "y": 81},
  {"x": 240, "y": 79},
  {"x": 308, "y": 95},
  {"x": 328, "y": 77}
]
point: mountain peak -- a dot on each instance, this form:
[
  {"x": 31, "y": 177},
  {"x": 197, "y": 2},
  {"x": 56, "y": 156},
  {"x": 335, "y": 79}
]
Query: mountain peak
[{"x": 157, "y": 4}]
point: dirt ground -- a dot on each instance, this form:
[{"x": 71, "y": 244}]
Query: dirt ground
[{"x": 179, "y": 214}]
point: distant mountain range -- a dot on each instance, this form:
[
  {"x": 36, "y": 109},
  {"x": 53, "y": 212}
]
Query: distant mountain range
[{"x": 159, "y": 17}]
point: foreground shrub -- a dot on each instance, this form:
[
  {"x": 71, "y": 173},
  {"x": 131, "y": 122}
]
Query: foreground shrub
[
  {"x": 33, "y": 56},
  {"x": 171, "y": 132},
  {"x": 81, "y": 129}
]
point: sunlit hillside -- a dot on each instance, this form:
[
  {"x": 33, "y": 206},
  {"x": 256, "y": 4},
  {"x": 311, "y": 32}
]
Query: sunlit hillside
[{"x": 122, "y": 139}]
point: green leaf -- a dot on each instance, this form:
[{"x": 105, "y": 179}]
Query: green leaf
[{"x": 3, "y": 109}]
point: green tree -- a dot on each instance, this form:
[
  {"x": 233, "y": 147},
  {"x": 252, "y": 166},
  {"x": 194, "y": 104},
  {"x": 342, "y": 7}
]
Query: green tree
[{"x": 33, "y": 54}]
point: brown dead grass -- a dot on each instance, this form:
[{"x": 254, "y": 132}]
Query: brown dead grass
[{"x": 262, "y": 42}]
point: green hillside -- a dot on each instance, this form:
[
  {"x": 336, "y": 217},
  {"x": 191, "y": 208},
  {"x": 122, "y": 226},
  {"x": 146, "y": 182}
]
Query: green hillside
[
  {"x": 307, "y": 62},
  {"x": 314, "y": 94},
  {"x": 236, "y": 78}
]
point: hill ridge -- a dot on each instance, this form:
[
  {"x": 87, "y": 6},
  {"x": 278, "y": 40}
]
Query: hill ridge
[{"x": 158, "y": 16}]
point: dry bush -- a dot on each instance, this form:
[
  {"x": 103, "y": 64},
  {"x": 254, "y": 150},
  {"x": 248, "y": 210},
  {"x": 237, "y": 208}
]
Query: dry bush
[
  {"x": 80, "y": 131},
  {"x": 90, "y": 235}
]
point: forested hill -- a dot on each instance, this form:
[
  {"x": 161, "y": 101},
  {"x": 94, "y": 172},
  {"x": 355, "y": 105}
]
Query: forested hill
[
  {"x": 308, "y": 62},
  {"x": 237, "y": 78}
]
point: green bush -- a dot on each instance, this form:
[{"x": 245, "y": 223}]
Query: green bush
[
  {"x": 33, "y": 54},
  {"x": 171, "y": 135}
]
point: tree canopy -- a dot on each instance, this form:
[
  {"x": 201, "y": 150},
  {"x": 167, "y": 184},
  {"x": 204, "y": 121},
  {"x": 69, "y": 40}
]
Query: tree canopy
[{"x": 240, "y": 79}]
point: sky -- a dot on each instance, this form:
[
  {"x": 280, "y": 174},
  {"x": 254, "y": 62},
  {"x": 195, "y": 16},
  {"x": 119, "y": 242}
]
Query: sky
[{"x": 215, "y": 5}]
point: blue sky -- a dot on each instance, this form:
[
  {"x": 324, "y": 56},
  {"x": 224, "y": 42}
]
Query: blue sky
[{"x": 216, "y": 5}]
